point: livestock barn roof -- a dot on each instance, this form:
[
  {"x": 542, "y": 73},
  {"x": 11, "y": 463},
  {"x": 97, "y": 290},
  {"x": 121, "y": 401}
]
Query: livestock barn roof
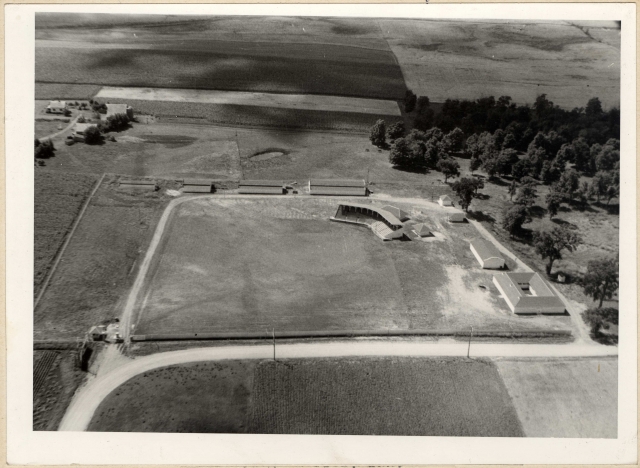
[
  {"x": 544, "y": 297},
  {"x": 196, "y": 189},
  {"x": 197, "y": 182},
  {"x": 338, "y": 182},
  {"x": 397, "y": 212},
  {"x": 342, "y": 191},
  {"x": 485, "y": 249},
  {"x": 262, "y": 183},
  {"x": 389, "y": 217},
  {"x": 257, "y": 190},
  {"x": 136, "y": 182}
]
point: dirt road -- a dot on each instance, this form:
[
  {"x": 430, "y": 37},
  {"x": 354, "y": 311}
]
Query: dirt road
[{"x": 89, "y": 397}]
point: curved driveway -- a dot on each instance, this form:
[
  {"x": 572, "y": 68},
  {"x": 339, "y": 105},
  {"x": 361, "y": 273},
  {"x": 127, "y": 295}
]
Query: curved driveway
[{"x": 88, "y": 398}]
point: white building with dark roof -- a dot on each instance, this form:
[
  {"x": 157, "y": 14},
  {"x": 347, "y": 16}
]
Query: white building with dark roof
[{"x": 487, "y": 254}]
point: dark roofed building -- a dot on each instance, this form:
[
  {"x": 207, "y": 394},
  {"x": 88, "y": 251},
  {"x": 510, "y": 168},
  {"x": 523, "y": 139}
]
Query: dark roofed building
[
  {"x": 457, "y": 218},
  {"x": 338, "y": 182},
  {"x": 261, "y": 183},
  {"x": 261, "y": 190},
  {"x": 528, "y": 293},
  {"x": 486, "y": 253},
  {"x": 339, "y": 187}
]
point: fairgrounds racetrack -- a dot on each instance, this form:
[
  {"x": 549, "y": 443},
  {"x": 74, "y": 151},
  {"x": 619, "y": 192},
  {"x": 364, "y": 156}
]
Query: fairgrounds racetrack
[{"x": 244, "y": 266}]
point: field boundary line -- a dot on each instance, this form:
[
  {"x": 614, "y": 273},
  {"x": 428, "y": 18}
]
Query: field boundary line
[{"x": 56, "y": 262}]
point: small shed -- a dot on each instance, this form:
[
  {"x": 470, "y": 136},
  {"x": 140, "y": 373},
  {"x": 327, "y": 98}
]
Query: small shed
[
  {"x": 56, "y": 107},
  {"x": 445, "y": 200},
  {"x": 98, "y": 333},
  {"x": 422, "y": 230},
  {"x": 457, "y": 218},
  {"x": 487, "y": 254},
  {"x": 397, "y": 212}
]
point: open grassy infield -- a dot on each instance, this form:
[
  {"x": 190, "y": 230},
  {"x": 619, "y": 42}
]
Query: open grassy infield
[
  {"x": 241, "y": 265},
  {"x": 429, "y": 397}
]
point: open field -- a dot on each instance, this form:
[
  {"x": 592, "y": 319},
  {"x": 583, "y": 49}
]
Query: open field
[
  {"x": 98, "y": 266},
  {"x": 445, "y": 397},
  {"x": 256, "y": 116},
  {"x": 58, "y": 200},
  {"x": 286, "y": 101},
  {"x": 439, "y": 59},
  {"x": 54, "y": 382},
  {"x": 564, "y": 398},
  {"x": 240, "y": 265},
  {"x": 468, "y": 60},
  {"x": 56, "y": 91}
]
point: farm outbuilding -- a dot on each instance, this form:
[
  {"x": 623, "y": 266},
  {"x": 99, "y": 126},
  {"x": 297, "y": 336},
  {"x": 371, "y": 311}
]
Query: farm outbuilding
[
  {"x": 457, "y": 218},
  {"x": 339, "y": 187},
  {"x": 113, "y": 109},
  {"x": 445, "y": 200},
  {"x": 197, "y": 186},
  {"x": 422, "y": 230},
  {"x": 262, "y": 187},
  {"x": 139, "y": 184},
  {"x": 487, "y": 254},
  {"x": 56, "y": 107},
  {"x": 528, "y": 294}
]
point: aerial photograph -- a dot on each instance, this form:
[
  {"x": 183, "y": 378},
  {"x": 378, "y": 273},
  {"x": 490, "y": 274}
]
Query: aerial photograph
[{"x": 326, "y": 225}]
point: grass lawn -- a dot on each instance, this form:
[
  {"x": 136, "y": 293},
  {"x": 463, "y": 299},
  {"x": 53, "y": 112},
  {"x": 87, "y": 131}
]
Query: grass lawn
[
  {"x": 238, "y": 265},
  {"x": 99, "y": 264},
  {"x": 58, "y": 199},
  {"x": 65, "y": 91},
  {"x": 430, "y": 397},
  {"x": 564, "y": 398}
]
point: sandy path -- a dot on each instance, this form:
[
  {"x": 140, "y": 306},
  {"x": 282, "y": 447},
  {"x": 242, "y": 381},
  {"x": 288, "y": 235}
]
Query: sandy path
[
  {"x": 241, "y": 98},
  {"x": 89, "y": 397}
]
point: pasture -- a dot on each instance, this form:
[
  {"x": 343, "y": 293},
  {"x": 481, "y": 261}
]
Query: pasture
[
  {"x": 240, "y": 265},
  {"x": 401, "y": 396},
  {"x": 58, "y": 199},
  {"x": 564, "y": 398}
]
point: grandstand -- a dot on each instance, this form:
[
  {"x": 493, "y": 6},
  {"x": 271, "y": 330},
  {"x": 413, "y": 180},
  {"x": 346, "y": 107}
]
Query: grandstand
[{"x": 384, "y": 224}]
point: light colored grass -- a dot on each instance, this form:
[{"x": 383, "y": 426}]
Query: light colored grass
[
  {"x": 280, "y": 100},
  {"x": 564, "y": 398}
]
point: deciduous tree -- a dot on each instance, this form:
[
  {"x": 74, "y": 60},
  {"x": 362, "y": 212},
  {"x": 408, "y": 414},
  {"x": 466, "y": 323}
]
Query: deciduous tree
[
  {"x": 449, "y": 167},
  {"x": 550, "y": 244},
  {"x": 601, "y": 280},
  {"x": 377, "y": 135},
  {"x": 465, "y": 188}
]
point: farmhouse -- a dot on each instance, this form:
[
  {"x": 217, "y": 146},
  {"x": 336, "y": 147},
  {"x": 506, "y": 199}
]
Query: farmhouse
[
  {"x": 79, "y": 130},
  {"x": 56, "y": 107},
  {"x": 457, "y": 218},
  {"x": 486, "y": 253},
  {"x": 384, "y": 224},
  {"x": 262, "y": 187},
  {"x": 445, "y": 200},
  {"x": 340, "y": 187},
  {"x": 113, "y": 109},
  {"x": 197, "y": 186},
  {"x": 528, "y": 293}
]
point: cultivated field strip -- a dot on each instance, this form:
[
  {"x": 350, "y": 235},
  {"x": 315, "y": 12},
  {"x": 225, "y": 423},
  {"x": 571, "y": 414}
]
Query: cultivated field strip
[
  {"x": 44, "y": 362},
  {"x": 278, "y": 100}
]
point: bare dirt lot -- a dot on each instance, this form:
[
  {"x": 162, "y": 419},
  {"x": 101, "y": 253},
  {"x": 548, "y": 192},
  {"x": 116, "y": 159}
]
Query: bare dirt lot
[
  {"x": 564, "y": 398},
  {"x": 240, "y": 265},
  {"x": 444, "y": 397},
  {"x": 287, "y": 101}
]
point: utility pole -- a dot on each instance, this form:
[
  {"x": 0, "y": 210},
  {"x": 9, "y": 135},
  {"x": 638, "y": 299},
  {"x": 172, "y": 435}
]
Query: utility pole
[{"x": 469, "y": 347}]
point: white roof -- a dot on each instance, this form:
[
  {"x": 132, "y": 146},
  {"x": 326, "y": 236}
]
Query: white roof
[
  {"x": 57, "y": 104},
  {"x": 445, "y": 197}
]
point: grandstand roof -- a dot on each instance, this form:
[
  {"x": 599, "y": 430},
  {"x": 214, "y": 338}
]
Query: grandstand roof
[
  {"x": 485, "y": 249},
  {"x": 260, "y": 190},
  {"x": 343, "y": 191},
  {"x": 338, "y": 182},
  {"x": 397, "y": 212},
  {"x": 262, "y": 183},
  {"x": 389, "y": 217},
  {"x": 197, "y": 182}
]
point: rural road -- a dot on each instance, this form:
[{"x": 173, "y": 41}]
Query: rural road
[{"x": 88, "y": 398}]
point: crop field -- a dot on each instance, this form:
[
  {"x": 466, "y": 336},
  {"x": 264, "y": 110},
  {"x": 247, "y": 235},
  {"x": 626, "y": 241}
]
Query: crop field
[
  {"x": 55, "y": 380},
  {"x": 258, "y": 116},
  {"x": 99, "y": 263},
  {"x": 429, "y": 397},
  {"x": 55, "y": 91},
  {"x": 239, "y": 265},
  {"x": 285, "y": 68},
  {"x": 58, "y": 200},
  {"x": 286, "y": 101},
  {"x": 564, "y": 398}
]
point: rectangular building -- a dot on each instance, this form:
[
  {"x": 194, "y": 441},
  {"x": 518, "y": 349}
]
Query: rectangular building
[{"x": 528, "y": 294}]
